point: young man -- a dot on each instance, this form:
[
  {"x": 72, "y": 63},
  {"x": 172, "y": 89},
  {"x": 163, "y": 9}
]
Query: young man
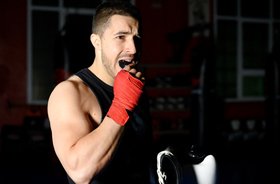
[{"x": 99, "y": 117}]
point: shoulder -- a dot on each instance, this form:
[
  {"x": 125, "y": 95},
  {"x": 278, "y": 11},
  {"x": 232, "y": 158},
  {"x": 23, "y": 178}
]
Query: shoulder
[
  {"x": 69, "y": 94},
  {"x": 70, "y": 88},
  {"x": 72, "y": 98}
]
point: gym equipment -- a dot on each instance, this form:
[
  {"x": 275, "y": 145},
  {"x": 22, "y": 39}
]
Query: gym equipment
[{"x": 169, "y": 169}]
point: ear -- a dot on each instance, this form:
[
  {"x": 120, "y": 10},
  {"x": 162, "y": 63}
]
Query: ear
[{"x": 95, "y": 41}]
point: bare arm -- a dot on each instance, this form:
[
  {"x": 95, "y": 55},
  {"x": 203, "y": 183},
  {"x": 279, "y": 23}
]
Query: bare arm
[{"x": 82, "y": 150}]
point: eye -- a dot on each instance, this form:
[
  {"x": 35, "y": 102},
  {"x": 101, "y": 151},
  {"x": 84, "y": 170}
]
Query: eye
[
  {"x": 120, "y": 37},
  {"x": 137, "y": 40}
]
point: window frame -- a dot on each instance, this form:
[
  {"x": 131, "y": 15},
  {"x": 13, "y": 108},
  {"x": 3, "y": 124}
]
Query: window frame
[
  {"x": 62, "y": 12},
  {"x": 241, "y": 72}
]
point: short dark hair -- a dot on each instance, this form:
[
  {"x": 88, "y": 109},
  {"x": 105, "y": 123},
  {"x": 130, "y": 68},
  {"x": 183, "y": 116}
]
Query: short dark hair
[{"x": 106, "y": 10}]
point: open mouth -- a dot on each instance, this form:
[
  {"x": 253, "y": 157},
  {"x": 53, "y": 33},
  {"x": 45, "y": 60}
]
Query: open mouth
[{"x": 123, "y": 63}]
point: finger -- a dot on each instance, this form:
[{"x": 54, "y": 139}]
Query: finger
[
  {"x": 133, "y": 71},
  {"x": 138, "y": 74},
  {"x": 127, "y": 68}
]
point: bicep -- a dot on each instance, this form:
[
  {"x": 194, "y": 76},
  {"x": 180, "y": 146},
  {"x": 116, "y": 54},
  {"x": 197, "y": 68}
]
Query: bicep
[{"x": 67, "y": 120}]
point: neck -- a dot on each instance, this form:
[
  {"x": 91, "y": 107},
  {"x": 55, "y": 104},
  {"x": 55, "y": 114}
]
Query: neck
[{"x": 98, "y": 69}]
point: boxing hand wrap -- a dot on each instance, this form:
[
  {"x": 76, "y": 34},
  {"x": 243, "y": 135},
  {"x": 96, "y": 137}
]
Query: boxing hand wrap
[{"x": 127, "y": 91}]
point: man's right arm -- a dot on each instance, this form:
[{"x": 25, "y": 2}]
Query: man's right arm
[{"x": 82, "y": 150}]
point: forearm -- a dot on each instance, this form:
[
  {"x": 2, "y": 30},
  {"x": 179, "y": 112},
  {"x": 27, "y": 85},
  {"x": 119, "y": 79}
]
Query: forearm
[{"x": 91, "y": 153}]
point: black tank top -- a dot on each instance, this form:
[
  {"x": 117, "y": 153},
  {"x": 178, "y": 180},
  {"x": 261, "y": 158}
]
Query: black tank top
[{"x": 131, "y": 161}]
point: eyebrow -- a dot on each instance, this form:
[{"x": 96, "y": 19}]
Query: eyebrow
[
  {"x": 122, "y": 33},
  {"x": 126, "y": 33}
]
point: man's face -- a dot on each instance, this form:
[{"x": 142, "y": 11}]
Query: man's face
[{"x": 120, "y": 41}]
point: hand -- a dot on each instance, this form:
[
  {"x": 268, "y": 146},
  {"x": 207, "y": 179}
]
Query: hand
[
  {"x": 133, "y": 71},
  {"x": 127, "y": 91}
]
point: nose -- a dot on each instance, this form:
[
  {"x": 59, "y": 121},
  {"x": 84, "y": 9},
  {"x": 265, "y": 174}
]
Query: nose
[{"x": 131, "y": 47}]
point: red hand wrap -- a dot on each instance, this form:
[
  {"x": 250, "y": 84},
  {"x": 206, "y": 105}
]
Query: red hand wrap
[{"x": 127, "y": 91}]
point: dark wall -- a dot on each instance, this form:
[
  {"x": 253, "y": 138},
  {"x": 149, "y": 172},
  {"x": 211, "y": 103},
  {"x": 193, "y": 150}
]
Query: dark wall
[
  {"x": 160, "y": 20},
  {"x": 13, "y": 61}
]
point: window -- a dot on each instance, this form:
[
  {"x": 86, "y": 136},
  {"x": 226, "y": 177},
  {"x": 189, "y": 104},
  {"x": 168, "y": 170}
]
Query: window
[
  {"x": 58, "y": 43},
  {"x": 245, "y": 31}
]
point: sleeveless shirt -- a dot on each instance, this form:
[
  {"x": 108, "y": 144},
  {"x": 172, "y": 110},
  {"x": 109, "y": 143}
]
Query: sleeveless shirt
[{"x": 130, "y": 162}]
